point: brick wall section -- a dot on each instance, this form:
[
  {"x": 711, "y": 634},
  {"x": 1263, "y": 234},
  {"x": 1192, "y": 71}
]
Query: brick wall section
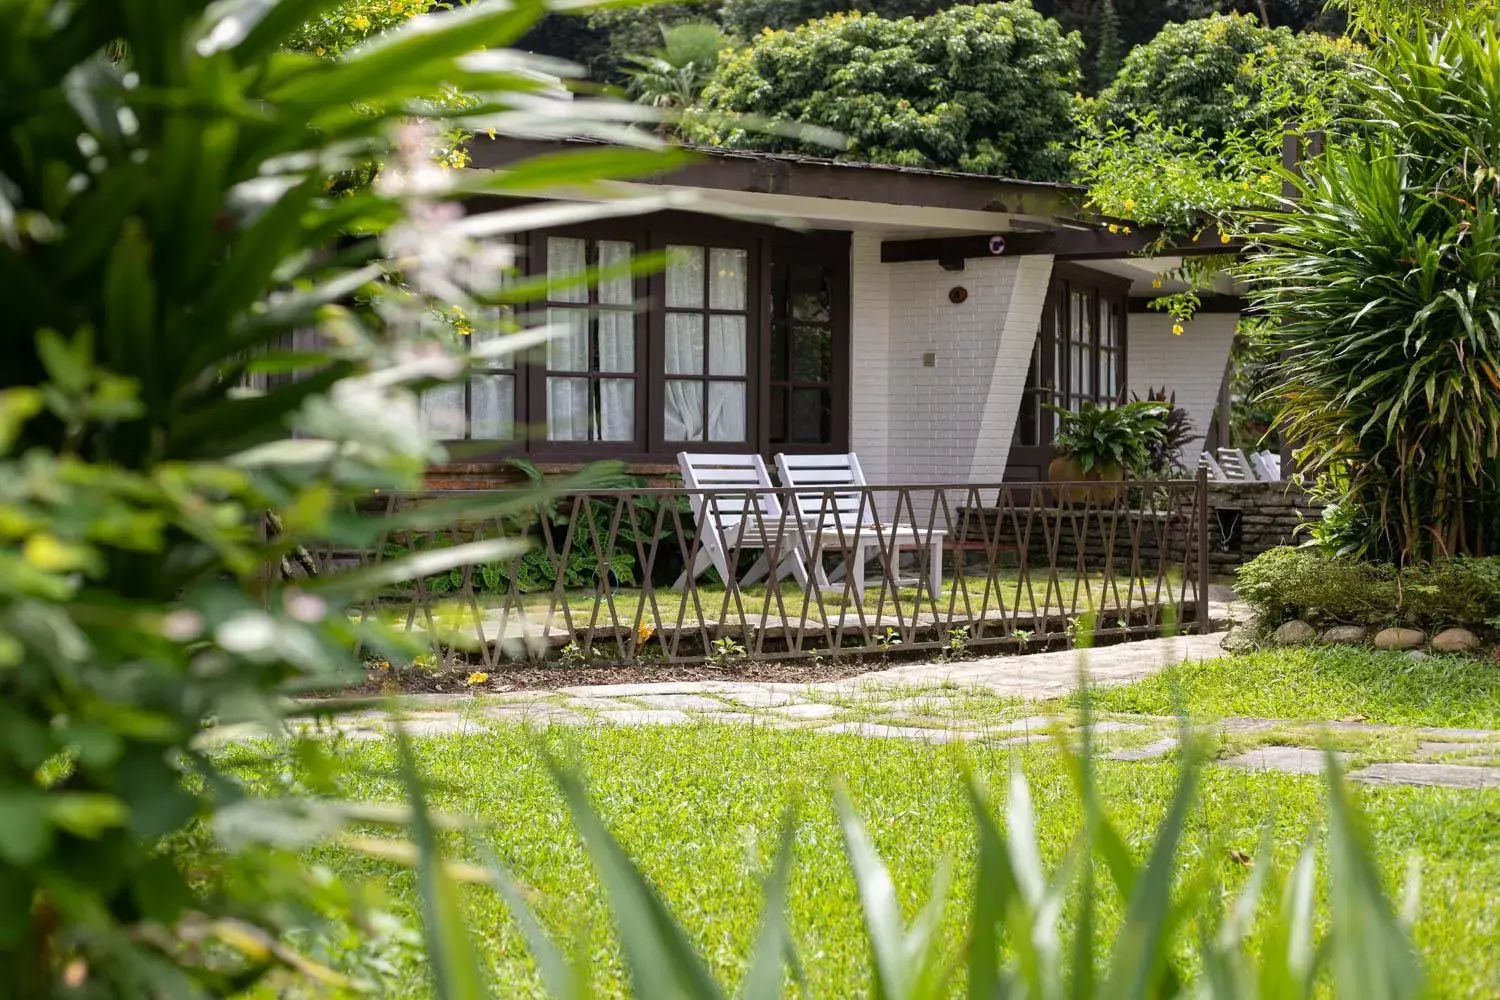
[
  {"x": 1191, "y": 365},
  {"x": 952, "y": 423},
  {"x": 870, "y": 357},
  {"x": 1246, "y": 519}
]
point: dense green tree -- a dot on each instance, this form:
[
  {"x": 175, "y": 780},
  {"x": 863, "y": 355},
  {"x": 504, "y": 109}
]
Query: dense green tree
[
  {"x": 984, "y": 88},
  {"x": 623, "y": 32},
  {"x": 1226, "y": 73},
  {"x": 748, "y": 18}
]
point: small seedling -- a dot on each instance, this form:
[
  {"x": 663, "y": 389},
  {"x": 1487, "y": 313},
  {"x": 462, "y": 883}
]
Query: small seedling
[
  {"x": 573, "y": 656},
  {"x": 888, "y": 639},
  {"x": 725, "y": 651},
  {"x": 958, "y": 641}
]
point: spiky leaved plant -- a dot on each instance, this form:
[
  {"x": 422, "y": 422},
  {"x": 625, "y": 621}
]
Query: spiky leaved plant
[{"x": 1381, "y": 287}]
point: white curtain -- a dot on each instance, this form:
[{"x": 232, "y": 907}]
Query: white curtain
[
  {"x": 492, "y": 400},
  {"x": 684, "y": 277},
  {"x": 684, "y": 410},
  {"x": 726, "y": 411},
  {"x": 442, "y": 411},
  {"x": 567, "y": 259},
  {"x": 726, "y": 345},
  {"x": 616, "y": 417},
  {"x": 726, "y": 278}
]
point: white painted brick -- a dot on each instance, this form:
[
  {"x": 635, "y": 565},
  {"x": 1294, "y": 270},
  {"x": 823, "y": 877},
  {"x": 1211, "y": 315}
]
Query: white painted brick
[{"x": 1191, "y": 365}]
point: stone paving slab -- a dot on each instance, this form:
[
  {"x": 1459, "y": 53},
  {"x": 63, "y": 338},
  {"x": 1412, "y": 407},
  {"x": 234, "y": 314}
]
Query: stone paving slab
[
  {"x": 646, "y": 717},
  {"x": 693, "y": 701},
  {"x": 1151, "y": 751},
  {"x": 808, "y": 710},
  {"x": 1291, "y": 760},
  {"x": 880, "y": 731},
  {"x": 756, "y": 697},
  {"x": 1429, "y": 775}
]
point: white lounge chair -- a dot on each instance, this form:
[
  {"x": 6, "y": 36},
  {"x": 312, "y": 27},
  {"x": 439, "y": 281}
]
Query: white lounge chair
[
  {"x": 1267, "y": 465},
  {"x": 846, "y": 519},
  {"x": 1207, "y": 461},
  {"x": 1237, "y": 468},
  {"x": 730, "y": 521}
]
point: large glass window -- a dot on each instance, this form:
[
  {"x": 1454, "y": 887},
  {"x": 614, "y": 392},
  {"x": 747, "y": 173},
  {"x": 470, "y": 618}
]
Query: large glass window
[
  {"x": 589, "y": 371},
  {"x": 1079, "y": 356},
  {"x": 705, "y": 361}
]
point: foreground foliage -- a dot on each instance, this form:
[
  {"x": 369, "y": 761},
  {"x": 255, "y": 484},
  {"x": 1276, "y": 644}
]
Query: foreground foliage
[
  {"x": 1090, "y": 875},
  {"x": 1382, "y": 288},
  {"x": 177, "y": 214}
]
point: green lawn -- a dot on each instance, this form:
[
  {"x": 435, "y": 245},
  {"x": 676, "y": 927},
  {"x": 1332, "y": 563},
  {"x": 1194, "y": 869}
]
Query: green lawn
[
  {"x": 698, "y": 807},
  {"x": 1323, "y": 683}
]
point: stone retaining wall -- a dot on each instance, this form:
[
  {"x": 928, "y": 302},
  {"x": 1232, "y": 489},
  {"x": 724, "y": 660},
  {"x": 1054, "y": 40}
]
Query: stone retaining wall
[{"x": 1246, "y": 519}]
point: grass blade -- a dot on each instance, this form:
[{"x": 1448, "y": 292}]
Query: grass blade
[{"x": 774, "y": 942}]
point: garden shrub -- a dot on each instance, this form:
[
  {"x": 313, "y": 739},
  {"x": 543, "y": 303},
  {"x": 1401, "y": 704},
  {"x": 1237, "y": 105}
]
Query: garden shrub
[{"x": 1287, "y": 583}]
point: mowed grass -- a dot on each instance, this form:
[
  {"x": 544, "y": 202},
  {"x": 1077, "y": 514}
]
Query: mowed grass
[
  {"x": 699, "y": 807},
  {"x": 1322, "y": 684},
  {"x": 1035, "y": 593}
]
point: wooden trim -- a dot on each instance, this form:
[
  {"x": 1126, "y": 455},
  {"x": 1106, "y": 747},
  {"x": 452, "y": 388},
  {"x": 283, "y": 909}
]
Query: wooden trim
[
  {"x": 812, "y": 177},
  {"x": 1063, "y": 244}
]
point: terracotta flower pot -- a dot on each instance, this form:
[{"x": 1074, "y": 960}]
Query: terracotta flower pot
[{"x": 1068, "y": 469}]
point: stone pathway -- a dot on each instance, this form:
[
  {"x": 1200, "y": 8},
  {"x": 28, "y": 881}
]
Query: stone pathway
[{"x": 991, "y": 701}]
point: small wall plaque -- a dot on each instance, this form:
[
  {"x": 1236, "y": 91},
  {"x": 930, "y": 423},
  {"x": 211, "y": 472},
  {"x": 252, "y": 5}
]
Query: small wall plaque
[
  {"x": 958, "y": 294},
  {"x": 929, "y": 359}
]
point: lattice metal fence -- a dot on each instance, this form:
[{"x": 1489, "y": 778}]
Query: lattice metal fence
[{"x": 681, "y": 576}]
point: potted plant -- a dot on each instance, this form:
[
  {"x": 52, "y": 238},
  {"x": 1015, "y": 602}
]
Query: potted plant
[
  {"x": 1101, "y": 444},
  {"x": 1176, "y": 434}
]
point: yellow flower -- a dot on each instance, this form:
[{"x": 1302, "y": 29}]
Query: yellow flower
[
  {"x": 1177, "y": 329},
  {"x": 1245, "y": 185},
  {"x": 1126, "y": 230},
  {"x": 1155, "y": 282},
  {"x": 1130, "y": 204},
  {"x": 644, "y": 631},
  {"x": 1114, "y": 228},
  {"x": 48, "y": 553},
  {"x": 1224, "y": 238},
  {"x": 322, "y": 51},
  {"x": 359, "y": 22},
  {"x": 383, "y": 665},
  {"x": 397, "y": 6},
  {"x": 477, "y": 677}
]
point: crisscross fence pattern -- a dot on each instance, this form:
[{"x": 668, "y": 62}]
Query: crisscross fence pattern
[{"x": 683, "y": 576}]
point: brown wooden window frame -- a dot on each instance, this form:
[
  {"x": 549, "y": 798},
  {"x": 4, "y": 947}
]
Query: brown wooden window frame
[
  {"x": 816, "y": 248},
  {"x": 653, "y": 234}
]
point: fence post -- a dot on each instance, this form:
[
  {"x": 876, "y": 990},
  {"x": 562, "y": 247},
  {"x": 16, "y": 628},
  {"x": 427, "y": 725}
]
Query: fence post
[{"x": 1205, "y": 626}]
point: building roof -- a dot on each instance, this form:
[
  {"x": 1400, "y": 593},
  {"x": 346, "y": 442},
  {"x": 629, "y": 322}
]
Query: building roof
[{"x": 817, "y": 177}]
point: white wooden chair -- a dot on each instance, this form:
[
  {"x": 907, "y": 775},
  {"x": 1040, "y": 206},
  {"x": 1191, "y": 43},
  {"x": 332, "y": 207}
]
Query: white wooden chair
[
  {"x": 847, "y": 519},
  {"x": 1267, "y": 466},
  {"x": 1237, "y": 468},
  {"x": 1215, "y": 470},
  {"x": 730, "y": 521}
]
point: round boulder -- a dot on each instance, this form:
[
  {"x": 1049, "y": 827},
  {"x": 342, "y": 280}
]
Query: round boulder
[
  {"x": 1399, "y": 638},
  {"x": 1345, "y": 635},
  {"x": 1294, "y": 633},
  {"x": 1455, "y": 640}
]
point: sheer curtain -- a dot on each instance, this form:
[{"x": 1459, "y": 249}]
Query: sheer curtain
[{"x": 702, "y": 343}]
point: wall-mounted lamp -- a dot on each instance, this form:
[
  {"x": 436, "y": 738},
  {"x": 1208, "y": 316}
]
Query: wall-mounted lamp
[{"x": 958, "y": 294}]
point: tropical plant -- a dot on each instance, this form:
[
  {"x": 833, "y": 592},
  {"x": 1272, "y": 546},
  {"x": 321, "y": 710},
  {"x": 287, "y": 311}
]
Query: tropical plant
[
  {"x": 1176, "y": 434},
  {"x": 1015, "y": 942},
  {"x": 1381, "y": 285},
  {"x": 206, "y": 320},
  {"x": 1111, "y": 438},
  {"x": 673, "y": 75},
  {"x": 986, "y": 89}
]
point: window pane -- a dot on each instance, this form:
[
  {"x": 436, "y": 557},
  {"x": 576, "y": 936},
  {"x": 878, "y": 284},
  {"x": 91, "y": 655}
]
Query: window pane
[
  {"x": 493, "y": 401},
  {"x": 684, "y": 277},
  {"x": 812, "y": 353},
  {"x": 567, "y": 409},
  {"x": 569, "y": 351},
  {"x": 443, "y": 412},
  {"x": 809, "y": 293},
  {"x": 726, "y": 411},
  {"x": 811, "y": 418},
  {"x": 727, "y": 278},
  {"x": 779, "y": 346},
  {"x": 567, "y": 257},
  {"x": 684, "y": 410},
  {"x": 616, "y": 417},
  {"x": 684, "y": 344},
  {"x": 619, "y": 290},
  {"x": 726, "y": 345},
  {"x": 616, "y": 341}
]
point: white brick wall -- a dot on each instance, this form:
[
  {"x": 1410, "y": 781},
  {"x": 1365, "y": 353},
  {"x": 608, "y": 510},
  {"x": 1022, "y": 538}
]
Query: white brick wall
[
  {"x": 1191, "y": 365},
  {"x": 953, "y": 422},
  {"x": 870, "y": 358}
]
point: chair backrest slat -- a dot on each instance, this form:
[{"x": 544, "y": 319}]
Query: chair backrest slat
[
  {"x": 817, "y": 479},
  {"x": 727, "y": 476}
]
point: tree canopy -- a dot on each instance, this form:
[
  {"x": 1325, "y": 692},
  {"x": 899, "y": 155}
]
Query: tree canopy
[
  {"x": 1227, "y": 73},
  {"x": 987, "y": 89}
]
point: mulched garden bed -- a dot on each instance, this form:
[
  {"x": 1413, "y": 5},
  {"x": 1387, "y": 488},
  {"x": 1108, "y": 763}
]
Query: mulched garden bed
[{"x": 529, "y": 678}]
